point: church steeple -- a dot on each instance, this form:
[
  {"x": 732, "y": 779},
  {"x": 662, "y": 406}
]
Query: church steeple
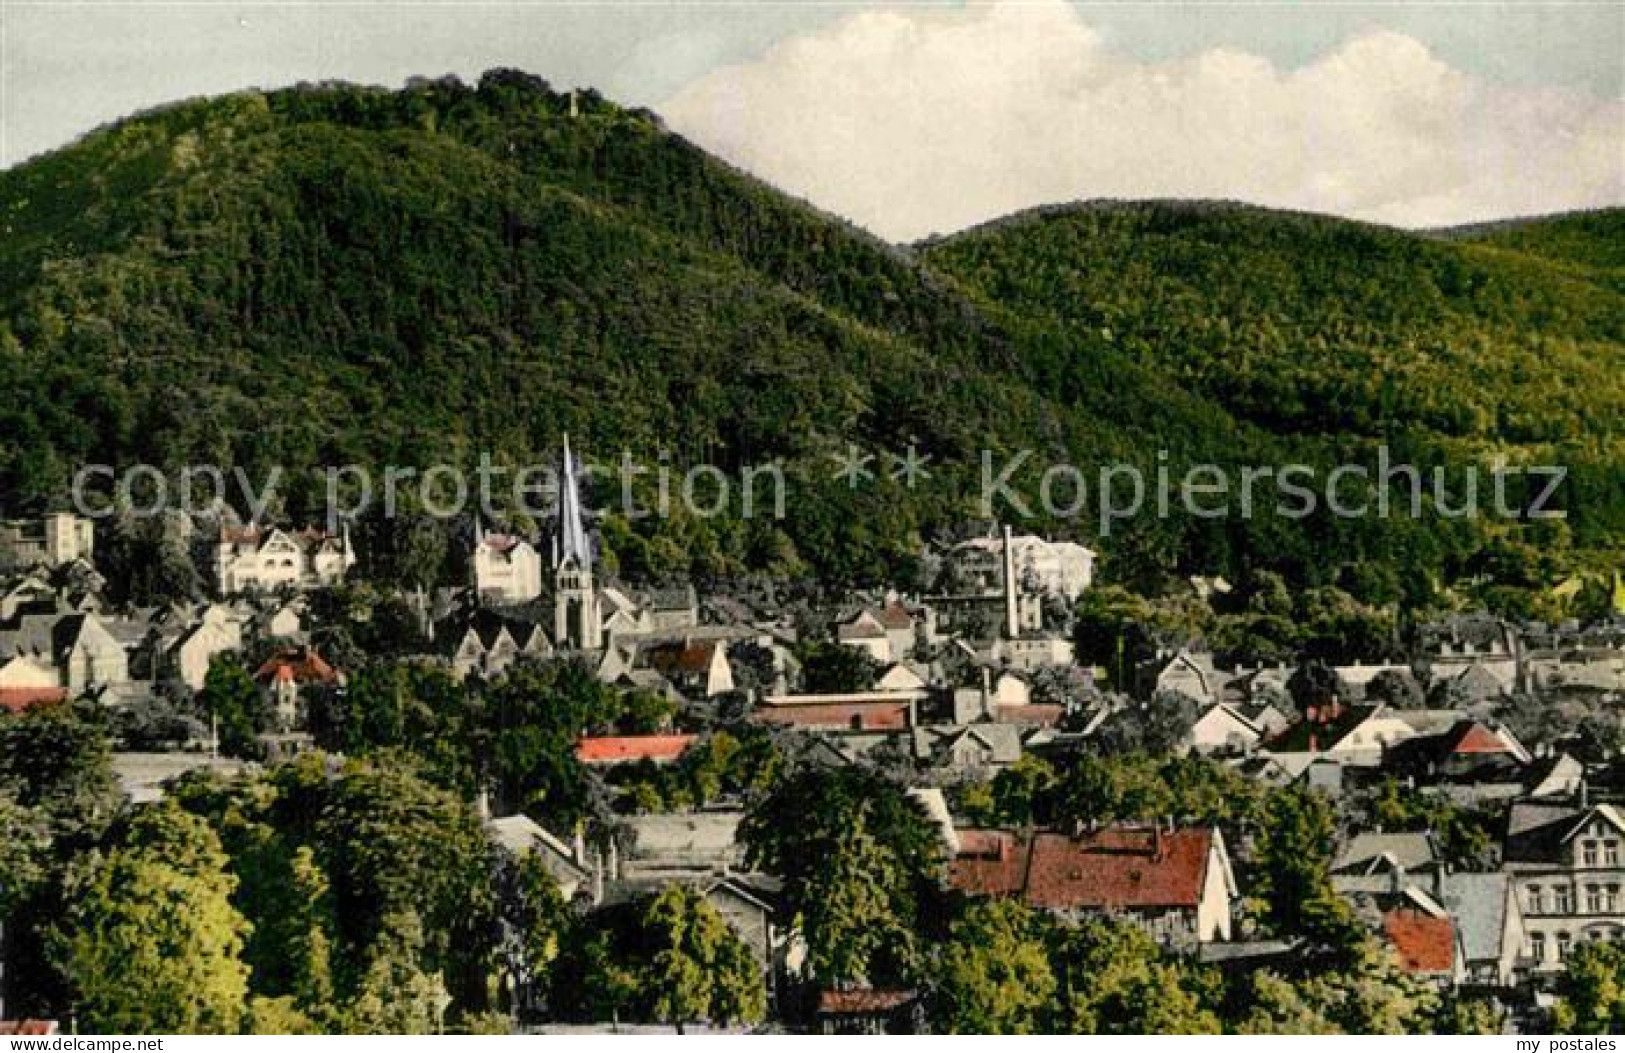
[
  {"x": 576, "y": 623},
  {"x": 572, "y": 539}
]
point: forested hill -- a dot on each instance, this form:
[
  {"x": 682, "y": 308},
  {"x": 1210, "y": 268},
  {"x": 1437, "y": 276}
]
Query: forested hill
[{"x": 337, "y": 274}]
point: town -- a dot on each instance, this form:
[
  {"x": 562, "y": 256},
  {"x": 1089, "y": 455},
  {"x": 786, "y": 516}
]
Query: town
[{"x": 1009, "y": 796}]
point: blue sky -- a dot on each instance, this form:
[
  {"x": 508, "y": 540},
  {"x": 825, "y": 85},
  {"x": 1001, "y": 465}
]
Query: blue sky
[{"x": 66, "y": 67}]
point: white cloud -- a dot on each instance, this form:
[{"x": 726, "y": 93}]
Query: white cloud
[{"x": 910, "y": 121}]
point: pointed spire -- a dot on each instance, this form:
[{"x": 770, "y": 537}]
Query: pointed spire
[{"x": 572, "y": 536}]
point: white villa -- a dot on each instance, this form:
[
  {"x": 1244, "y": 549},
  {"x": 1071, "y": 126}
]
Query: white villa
[{"x": 256, "y": 559}]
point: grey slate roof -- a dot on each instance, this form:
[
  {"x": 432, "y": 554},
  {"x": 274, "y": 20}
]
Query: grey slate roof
[
  {"x": 1478, "y": 903},
  {"x": 1412, "y": 851}
]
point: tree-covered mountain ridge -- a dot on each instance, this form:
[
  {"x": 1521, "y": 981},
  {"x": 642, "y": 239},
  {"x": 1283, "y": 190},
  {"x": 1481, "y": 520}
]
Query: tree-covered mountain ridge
[{"x": 335, "y": 274}]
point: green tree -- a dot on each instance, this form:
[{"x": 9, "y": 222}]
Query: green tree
[
  {"x": 700, "y": 970},
  {"x": 1591, "y": 991},
  {"x": 153, "y": 943},
  {"x": 994, "y": 972},
  {"x": 1291, "y": 871},
  {"x": 397, "y": 847},
  {"x": 236, "y": 706},
  {"x": 1113, "y": 979},
  {"x": 397, "y": 994},
  {"x": 57, "y": 759},
  {"x": 857, "y": 857},
  {"x": 830, "y": 667}
]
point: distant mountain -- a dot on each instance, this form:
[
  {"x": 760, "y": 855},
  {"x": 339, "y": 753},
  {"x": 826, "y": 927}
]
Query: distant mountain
[
  {"x": 1592, "y": 240},
  {"x": 336, "y": 274}
]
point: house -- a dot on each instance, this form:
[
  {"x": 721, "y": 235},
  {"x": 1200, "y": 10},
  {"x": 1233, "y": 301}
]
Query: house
[
  {"x": 489, "y": 644},
  {"x": 1222, "y": 728},
  {"x": 1185, "y": 672},
  {"x": 672, "y": 610},
  {"x": 675, "y": 845},
  {"x": 1470, "y": 753},
  {"x": 867, "y": 1011},
  {"x": 1577, "y": 670},
  {"x": 218, "y": 631},
  {"x": 289, "y": 677},
  {"x": 51, "y": 541},
  {"x": 269, "y": 559},
  {"x": 1062, "y": 569},
  {"x": 78, "y": 647},
  {"x": 605, "y": 751},
  {"x": 1566, "y": 865},
  {"x": 1385, "y": 862},
  {"x": 1031, "y": 651},
  {"x": 1489, "y": 925},
  {"x": 521, "y": 835},
  {"x": 1175, "y": 883},
  {"x": 507, "y": 569},
  {"x": 902, "y": 676},
  {"x": 1356, "y": 735},
  {"x": 698, "y": 668},
  {"x": 855, "y": 711},
  {"x": 968, "y": 749},
  {"x": 887, "y": 633},
  {"x": 1453, "y": 647}
]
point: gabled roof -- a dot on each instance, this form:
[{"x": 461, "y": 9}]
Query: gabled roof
[
  {"x": 1119, "y": 867},
  {"x": 1309, "y": 736},
  {"x": 299, "y": 665},
  {"x": 1606, "y": 812},
  {"x": 1369, "y": 852}
]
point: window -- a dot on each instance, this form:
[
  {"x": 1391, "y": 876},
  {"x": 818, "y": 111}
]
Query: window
[
  {"x": 1563, "y": 941},
  {"x": 1537, "y": 947},
  {"x": 1564, "y": 900},
  {"x": 1610, "y": 853},
  {"x": 1610, "y": 899},
  {"x": 1588, "y": 854},
  {"x": 1593, "y": 899},
  {"x": 1536, "y": 901}
]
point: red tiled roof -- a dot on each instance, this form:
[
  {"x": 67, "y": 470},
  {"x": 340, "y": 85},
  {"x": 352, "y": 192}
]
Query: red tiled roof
[
  {"x": 864, "y": 716},
  {"x": 1476, "y": 738},
  {"x": 301, "y": 665},
  {"x": 622, "y": 749},
  {"x": 863, "y": 1001},
  {"x": 1426, "y": 944},
  {"x": 1114, "y": 868},
  {"x": 683, "y": 658},
  {"x": 27, "y": 1027},
  {"x": 17, "y": 699}
]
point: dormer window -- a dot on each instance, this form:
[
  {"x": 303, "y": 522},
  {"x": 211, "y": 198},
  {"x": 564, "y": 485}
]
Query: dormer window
[
  {"x": 1588, "y": 853},
  {"x": 1610, "y": 853}
]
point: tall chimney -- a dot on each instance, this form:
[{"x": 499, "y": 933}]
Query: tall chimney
[{"x": 1012, "y": 625}]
